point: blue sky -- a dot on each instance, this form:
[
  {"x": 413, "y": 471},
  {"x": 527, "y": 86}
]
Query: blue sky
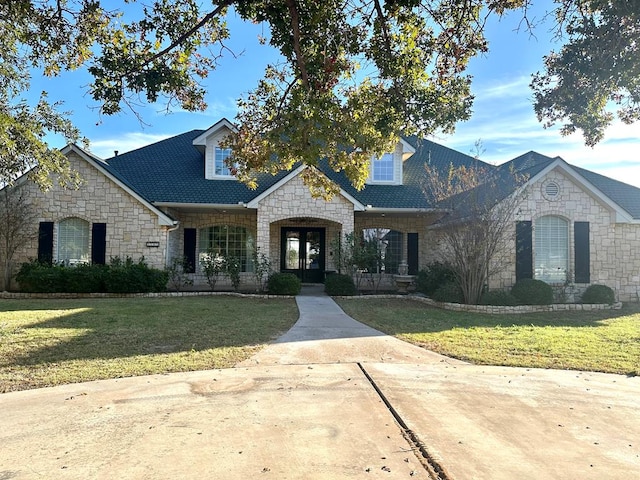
[{"x": 503, "y": 118}]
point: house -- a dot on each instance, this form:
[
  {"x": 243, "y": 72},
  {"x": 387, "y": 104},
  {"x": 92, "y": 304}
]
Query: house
[{"x": 177, "y": 198}]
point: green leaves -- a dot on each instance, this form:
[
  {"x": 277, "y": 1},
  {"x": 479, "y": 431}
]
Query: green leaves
[
  {"x": 353, "y": 76},
  {"x": 595, "y": 72}
]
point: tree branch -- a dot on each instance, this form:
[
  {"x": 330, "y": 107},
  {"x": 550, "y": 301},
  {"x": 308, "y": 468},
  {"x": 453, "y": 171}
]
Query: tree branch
[
  {"x": 295, "y": 26},
  {"x": 178, "y": 41}
]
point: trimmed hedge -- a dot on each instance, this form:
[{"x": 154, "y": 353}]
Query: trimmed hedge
[
  {"x": 284, "y": 284},
  {"x": 598, "y": 294},
  {"x": 433, "y": 277},
  {"x": 532, "y": 292},
  {"x": 117, "y": 277},
  {"x": 498, "y": 297},
  {"x": 340, "y": 284},
  {"x": 449, "y": 292}
]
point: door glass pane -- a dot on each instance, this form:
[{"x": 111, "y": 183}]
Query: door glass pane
[
  {"x": 312, "y": 260},
  {"x": 292, "y": 250}
]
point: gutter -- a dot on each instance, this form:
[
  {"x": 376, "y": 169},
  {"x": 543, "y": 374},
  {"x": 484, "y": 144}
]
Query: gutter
[
  {"x": 218, "y": 206},
  {"x": 371, "y": 209}
]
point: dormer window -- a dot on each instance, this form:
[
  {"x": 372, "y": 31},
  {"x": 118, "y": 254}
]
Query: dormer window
[
  {"x": 221, "y": 155},
  {"x": 383, "y": 168},
  {"x": 215, "y": 156}
]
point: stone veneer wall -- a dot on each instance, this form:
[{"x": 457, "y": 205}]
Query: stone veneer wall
[
  {"x": 612, "y": 262},
  {"x": 130, "y": 225},
  {"x": 242, "y": 218},
  {"x": 294, "y": 201},
  {"x": 413, "y": 224}
]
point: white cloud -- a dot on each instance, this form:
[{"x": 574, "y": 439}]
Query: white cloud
[
  {"x": 506, "y": 124},
  {"x": 106, "y": 147}
]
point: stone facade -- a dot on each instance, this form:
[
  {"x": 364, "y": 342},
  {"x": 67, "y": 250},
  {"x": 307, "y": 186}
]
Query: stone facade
[
  {"x": 612, "y": 262},
  {"x": 130, "y": 225},
  {"x": 293, "y": 205}
]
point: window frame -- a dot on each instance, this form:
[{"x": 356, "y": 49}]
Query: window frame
[
  {"x": 207, "y": 237},
  {"x": 65, "y": 240},
  {"x": 389, "y": 245},
  {"x": 220, "y": 169},
  {"x": 378, "y": 161},
  {"x": 551, "y": 239}
]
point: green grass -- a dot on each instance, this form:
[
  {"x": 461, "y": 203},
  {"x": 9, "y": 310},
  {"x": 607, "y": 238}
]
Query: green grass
[
  {"x": 604, "y": 341},
  {"x": 51, "y": 342}
]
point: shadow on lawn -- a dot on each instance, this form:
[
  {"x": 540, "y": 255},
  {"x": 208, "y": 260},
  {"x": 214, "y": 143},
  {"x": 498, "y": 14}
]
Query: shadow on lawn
[{"x": 107, "y": 333}]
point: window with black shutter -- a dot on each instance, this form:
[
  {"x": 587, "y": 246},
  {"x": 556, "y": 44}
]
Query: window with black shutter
[
  {"x": 581, "y": 250},
  {"x": 98, "y": 243},
  {"x": 524, "y": 250},
  {"x": 190, "y": 249},
  {"x": 45, "y": 242}
]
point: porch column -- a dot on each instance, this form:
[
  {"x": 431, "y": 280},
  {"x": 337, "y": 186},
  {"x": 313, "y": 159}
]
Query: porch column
[{"x": 262, "y": 232}]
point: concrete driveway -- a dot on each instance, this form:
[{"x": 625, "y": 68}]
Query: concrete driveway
[{"x": 330, "y": 399}]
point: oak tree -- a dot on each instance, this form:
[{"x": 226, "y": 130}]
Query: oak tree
[{"x": 352, "y": 76}]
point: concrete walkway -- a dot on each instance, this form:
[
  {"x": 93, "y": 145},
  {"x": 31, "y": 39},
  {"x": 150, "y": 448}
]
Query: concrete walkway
[{"x": 330, "y": 399}]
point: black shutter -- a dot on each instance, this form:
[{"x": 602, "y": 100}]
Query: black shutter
[
  {"x": 99, "y": 243},
  {"x": 412, "y": 253},
  {"x": 190, "y": 249},
  {"x": 524, "y": 250},
  {"x": 581, "y": 249},
  {"x": 45, "y": 242}
]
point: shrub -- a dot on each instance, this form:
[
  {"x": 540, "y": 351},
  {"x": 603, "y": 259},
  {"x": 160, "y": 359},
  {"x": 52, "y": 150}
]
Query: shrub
[
  {"x": 598, "y": 294},
  {"x": 498, "y": 297},
  {"x": 85, "y": 278},
  {"x": 233, "y": 269},
  {"x": 449, "y": 292},
  {"x": 532, "y": 292},
  {"x": 340, "y": 284},
  {"x": 284, "y": 284},
  {"x": 131, "y": 277},
  {"x": 433, "y": 277},
  {"x": 117, "y": 277},
  {"x": 41, "y": 277}
]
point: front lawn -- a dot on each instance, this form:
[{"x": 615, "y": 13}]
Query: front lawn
[
  {"x": 51, "y": 342},
  {"x": 603, "y": 341}
]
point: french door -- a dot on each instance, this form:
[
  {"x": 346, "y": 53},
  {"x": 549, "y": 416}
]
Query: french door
[{"x": 303, "y": 253}]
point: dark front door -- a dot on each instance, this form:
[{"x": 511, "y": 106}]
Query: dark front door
[{"x": 302, "y": 253}]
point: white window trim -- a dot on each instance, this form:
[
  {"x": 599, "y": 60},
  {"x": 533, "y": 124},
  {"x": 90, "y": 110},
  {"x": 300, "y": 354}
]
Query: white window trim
[
  {"x": 228, "y": 176},
  {"x": 537, "y": 250},
  {"x": 395, "y": 181}
]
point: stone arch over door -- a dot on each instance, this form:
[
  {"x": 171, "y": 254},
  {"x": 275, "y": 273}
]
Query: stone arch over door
[{"x": 293, "y": 201}]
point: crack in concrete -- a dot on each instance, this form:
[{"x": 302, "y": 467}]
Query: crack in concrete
[{"x": 433, "y": 468}]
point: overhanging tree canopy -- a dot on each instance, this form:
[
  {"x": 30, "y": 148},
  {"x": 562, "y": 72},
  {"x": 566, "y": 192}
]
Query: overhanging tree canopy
[{"x": 354, "y": 74}]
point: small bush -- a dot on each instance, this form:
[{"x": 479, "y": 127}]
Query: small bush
[
  {"x": 598, "y": 294},
  {"x": 85, "y": 278},
  {"x": 532, "y": 292},
  {"x": 284, "y": 284},
  {"x": 498, "y": 297},
  {"x": 433, "y": 277},
  {"x": 449, "y": 292},
  {"x": 340, "y": 284}
]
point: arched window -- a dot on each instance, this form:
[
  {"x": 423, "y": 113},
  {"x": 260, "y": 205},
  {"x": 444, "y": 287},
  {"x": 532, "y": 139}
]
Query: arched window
[
  {"x": 383, "y": 248},
  {"x": 551, "y": 249},
  {"x": 73, "y": 241},
  {"x": 228, "y": 241}
]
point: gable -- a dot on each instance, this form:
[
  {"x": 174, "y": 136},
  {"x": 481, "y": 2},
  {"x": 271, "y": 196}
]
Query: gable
[
  {"x": 98, "y": 177},
  {"x": 291, "y": 190},
  {"x": 207, "y": 143}
]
